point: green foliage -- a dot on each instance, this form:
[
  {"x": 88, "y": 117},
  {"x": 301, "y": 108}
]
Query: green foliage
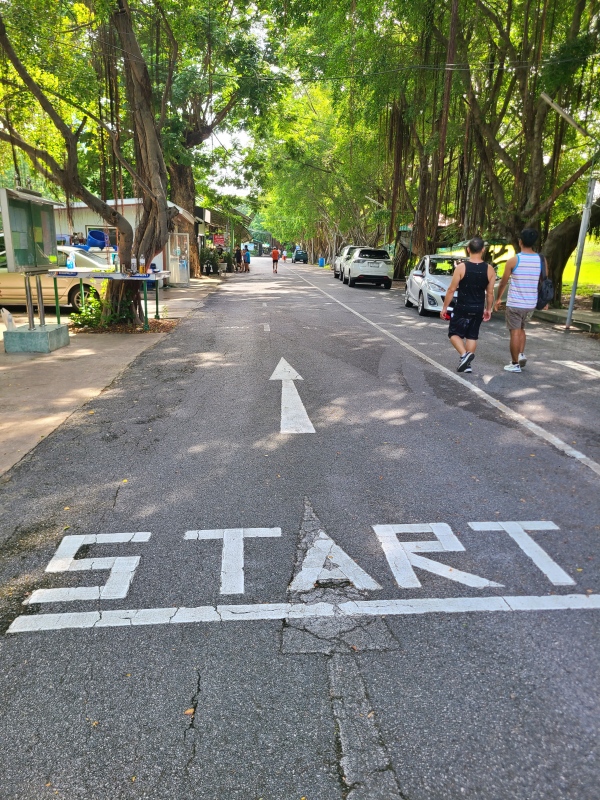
[
  {"x": 90, "y": 316},
  {"x": 566, "y": 61}
]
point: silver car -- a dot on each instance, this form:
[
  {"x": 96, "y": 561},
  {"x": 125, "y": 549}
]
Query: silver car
[
  {"x": 427, "y": 284},
  {"x": 12, "y": 284}
]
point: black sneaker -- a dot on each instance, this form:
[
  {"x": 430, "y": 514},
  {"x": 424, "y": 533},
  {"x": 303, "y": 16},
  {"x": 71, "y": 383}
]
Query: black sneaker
[
  {"x": 468, "y": 369},
  {"x": 465, "y": 361}
]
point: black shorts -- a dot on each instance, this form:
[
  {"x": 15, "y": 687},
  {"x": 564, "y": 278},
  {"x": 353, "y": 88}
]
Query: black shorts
[{"x": 465, "y": 324}]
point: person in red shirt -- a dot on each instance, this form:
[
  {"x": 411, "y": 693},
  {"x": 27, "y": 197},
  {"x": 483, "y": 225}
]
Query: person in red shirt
[{"x": 275, "y": 257}]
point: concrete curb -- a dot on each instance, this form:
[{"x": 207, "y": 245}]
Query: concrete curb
[{"x": 587, "y": 321}]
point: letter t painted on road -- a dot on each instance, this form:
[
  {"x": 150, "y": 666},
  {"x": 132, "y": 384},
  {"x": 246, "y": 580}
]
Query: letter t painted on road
[{"x": 232, "y": 561}]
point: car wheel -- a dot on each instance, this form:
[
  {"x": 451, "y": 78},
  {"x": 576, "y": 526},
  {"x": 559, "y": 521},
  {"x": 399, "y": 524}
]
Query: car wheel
[
  {"x": 387, "y": 285},
  {"x": 421, "y": 306},
  {"x": 344, "y": 278},
  {"x": 407, "y": 301},
  {"x": 75, "y": 296},
  {"x": 351, "y": 281}
]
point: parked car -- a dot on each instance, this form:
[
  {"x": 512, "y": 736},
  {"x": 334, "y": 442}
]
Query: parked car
[
  {"x": 368, "y": 265},
  {"x": 87, "y": 259},
  {"x": 299, "y": 255},
  {"x": 12, "y": 284},
  {"x": 428, "y": 282},
  {"x": 341, "y": 259}
]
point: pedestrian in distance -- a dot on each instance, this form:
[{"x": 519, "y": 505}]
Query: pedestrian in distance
[
  {"x": 275, "y": 257},
  {"x": 473, "y": 280},
  {"x": 284, "y": 255},
  {"x": 246, "y": 259},
  {"x": 238, "y": 259},
  {"x": 524, "y": 271}
]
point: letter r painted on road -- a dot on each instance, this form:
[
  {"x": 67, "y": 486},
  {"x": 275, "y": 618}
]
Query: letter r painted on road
[
  {"x": 403, "y": 556},
  {"x": 232, "y": 560},
  {"x": 517, "y": 532},
  {"x": 121, "y": 568}
]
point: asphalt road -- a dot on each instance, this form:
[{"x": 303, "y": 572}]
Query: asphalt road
[{"x": 288, "y": 646}]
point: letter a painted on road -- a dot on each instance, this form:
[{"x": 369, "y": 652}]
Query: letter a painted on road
[{"x": 326, "y": 561}]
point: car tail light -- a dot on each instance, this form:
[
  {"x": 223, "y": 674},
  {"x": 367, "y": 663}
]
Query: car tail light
[{"x": 359, "y": 261}]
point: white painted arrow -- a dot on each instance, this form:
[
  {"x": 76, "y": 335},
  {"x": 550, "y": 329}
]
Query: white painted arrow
[{"x": 294, "y": 418}]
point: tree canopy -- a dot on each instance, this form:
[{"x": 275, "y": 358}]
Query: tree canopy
[{"x": 358, "y": 118}]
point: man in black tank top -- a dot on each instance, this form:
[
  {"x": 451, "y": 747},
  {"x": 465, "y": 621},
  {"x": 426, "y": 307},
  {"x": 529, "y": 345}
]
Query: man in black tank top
[{"x": 474, "y": 279}]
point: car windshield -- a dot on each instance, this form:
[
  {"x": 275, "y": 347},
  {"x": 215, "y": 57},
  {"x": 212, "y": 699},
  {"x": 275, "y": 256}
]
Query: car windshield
[
  {"x": 102, "y": 262},
  {"x": 442, "y": 266},
  {"x": 379, "y": 254}
]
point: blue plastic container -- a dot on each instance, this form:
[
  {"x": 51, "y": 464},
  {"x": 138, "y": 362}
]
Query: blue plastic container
[{"x": 321, "y": 262}]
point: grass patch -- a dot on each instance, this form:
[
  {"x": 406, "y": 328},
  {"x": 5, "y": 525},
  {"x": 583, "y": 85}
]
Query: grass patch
[
  {"x": 583, "y": 289},
  {"x": 590, "y": 265}
]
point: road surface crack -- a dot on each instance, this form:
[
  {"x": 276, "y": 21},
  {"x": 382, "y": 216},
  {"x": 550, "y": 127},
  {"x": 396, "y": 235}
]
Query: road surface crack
[
  {"x": 190, "y": 734},
  {"x": 340, "y": 633},
  {"x": 364, "y": 765}
]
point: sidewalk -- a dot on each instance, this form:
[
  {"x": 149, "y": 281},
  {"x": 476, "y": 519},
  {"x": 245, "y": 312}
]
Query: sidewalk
[
  {"x": 585, "y": 320},
  {"x": 39, "y": 391}
]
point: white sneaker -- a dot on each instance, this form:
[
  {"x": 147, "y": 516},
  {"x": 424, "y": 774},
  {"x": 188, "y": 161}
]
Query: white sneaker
[
  {"x": 512, "y": 367},
  {"x": 522, "y": 360}
]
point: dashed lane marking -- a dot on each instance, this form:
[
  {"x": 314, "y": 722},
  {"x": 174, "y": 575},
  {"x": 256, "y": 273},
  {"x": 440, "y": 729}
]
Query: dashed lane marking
[
  {"x": 267, "y": 327},
  {"x": 536, "y": 430},
  {"x": 288, "y": 611}
]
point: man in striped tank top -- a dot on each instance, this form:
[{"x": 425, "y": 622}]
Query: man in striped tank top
[{"x": 523, "y": 271}]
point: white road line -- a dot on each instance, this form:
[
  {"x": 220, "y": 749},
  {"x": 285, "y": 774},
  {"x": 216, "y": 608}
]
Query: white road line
[
  {"x": 294, "y": 418},
  {"x": 264, "y": 305},
  {"x": 536, "y": 430},
  {"x": 593, "y": 373},
  {"x": 267, "y": 327},
  {"x": 284, "y": 611}
]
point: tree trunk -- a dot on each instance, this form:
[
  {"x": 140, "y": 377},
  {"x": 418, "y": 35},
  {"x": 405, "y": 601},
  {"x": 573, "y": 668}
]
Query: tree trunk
[
  {"x": 183, "y": 193},
  {"x": 420, "y": 242},
  {"x": 401, "y": 256},
  {"x": 157, "y": 218},
  {"x": 560, "y": 244}
]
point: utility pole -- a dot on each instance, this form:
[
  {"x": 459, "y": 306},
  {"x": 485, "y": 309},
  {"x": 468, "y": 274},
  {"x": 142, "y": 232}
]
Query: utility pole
[{"x": 587, "y": 210}]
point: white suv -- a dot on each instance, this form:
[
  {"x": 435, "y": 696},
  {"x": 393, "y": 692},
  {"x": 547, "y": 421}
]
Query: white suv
[{"x": 369, "y": 265}]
